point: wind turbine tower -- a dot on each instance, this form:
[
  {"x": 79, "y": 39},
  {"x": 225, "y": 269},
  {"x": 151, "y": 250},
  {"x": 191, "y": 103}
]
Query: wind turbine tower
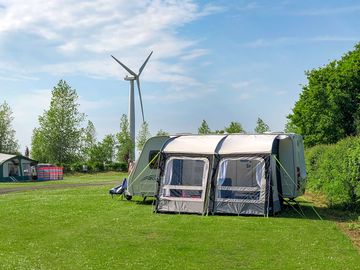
[{"x": 131, "y": 115}]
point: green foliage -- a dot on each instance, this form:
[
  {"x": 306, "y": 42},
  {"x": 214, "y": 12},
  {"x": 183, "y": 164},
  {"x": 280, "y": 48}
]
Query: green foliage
[
  {"x": 88, "y": 140},
  {"x": 58, "y": 137},
  {"x": 8, "y": 142},
  {"x": 124, "y": 139},
  {"x": 328, "y": 108},
  {"x": 261, "y": 126},
  {"x": 95, "y": 167},
  {"x": 335, "y": 171},
  {"x": 234, "y": 127},
  {"x": 162, "y": 133},
  {"x": 204, "y": 128},
  {"x": 103, "y": 151},
  {"x": 143, "y": 136}
]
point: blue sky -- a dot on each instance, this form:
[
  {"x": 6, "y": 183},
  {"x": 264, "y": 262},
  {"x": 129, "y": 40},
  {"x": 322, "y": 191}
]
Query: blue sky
[{"x": 216, "y": 60}]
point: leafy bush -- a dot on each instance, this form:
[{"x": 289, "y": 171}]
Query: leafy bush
[
  {"x": 98, "y": 166},
  {"x": 119, "y": 167},
  {"x": 335, "y": 171}
]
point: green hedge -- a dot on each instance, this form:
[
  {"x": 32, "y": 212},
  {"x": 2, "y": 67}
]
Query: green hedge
[
  {"x": 334, "y": 170},
  {"x": 95, "y": 167}
]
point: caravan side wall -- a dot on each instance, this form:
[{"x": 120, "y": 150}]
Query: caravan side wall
[
  {"x": 291, "y": 156},
  {"x": 287, "y": 167}
]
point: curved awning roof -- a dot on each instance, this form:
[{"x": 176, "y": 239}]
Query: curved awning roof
[
  {"x": 241, "y": 144},
  {"x": 193, "y": 144},
  {"x": 223, "y": 144},
  {"x": 6, "y": 157}
]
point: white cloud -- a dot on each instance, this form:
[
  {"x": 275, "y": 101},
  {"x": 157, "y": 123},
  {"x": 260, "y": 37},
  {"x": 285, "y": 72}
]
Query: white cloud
[{"x": 82, "y": 35}]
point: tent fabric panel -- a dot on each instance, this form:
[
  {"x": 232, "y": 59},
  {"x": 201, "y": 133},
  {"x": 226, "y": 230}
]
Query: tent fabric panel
[
  {"x": 205, "y": 144},
  {"x": 241, "y": 144},
  {"x": 183, "y": 184},
  {"x": 239, "y": 208},
  {"x": 181, "y": 206},
  {"x": 240, "y": 186},
  {"x": 142, "y": 180}
]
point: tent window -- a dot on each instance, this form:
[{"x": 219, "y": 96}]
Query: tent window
[
  {"x": 153, "y": 164},
  {"x": 240, "y": 178},
  {"x": 185, "y": 178},
  {"x": 13, "y": 169}
]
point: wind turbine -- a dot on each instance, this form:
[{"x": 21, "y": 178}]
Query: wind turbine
[{"x": 131, "y": 78}]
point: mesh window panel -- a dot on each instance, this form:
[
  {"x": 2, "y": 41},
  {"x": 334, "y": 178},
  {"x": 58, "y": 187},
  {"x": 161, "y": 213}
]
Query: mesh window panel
[
  {"x": 185, "y": 178},
  {"x": 240, "y": 178}
]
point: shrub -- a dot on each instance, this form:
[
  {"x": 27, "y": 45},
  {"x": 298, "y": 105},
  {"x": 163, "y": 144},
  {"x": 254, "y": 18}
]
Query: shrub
[
  {"x": 98, "y": 166},
  {"x": 335, "y": 171},
  {"x": 120, "y": 166}
]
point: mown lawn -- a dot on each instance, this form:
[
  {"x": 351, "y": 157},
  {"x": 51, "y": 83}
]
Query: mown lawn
[
  {"x": 83, "y": 228},
  {"x": 71, "y": 179}
]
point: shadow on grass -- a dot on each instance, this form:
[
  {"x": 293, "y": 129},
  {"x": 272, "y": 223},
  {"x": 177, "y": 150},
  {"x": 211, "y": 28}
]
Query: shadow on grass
[
  {"x": 307, "y": 210},
  {"x": 304, "y": 209}
]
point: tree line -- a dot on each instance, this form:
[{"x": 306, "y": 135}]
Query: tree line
[
  {"x": 65, "y": 136},
  {"x": 234, "y": 127},
  {"x": 327, "y": 110}
]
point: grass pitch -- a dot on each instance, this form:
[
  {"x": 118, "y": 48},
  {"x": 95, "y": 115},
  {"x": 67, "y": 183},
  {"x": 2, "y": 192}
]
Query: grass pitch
[{"x": 83, "y": 228}]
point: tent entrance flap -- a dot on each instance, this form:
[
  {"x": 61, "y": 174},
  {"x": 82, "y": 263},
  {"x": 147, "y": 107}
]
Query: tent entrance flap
[
  {"x": 241, "y": 186},
  {"x": 183, "y": 185}
]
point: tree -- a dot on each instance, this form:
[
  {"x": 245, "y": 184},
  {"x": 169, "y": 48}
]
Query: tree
[
  {"x": 234, "y": 127},
  {"x": 38, "y": 146},
  {"x": 108, "y": 145},
  {"x": 88, "y": 140},
  {"x": 27, "y": 152},
  {"x": 125, "y": 144},
  {"x": 204, "y": 128},
  {"x": 8, "y": 142},
  {"x": 261, "y": 126},
  {"x": 328, "y": 108},
  {"x": 143, "y": 136},
  {"x": 58, "y": 137},
  {"x": 162, "y": 133},
  {"x": 103, "y": 151}
]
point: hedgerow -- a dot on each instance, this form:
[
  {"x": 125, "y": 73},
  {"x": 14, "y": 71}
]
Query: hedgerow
[{"x": 334, "y": 170}]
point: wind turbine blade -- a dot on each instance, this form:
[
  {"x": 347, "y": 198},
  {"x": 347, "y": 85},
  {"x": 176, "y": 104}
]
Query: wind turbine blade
[
  {"x": 143, "y": 65},
  {"x": 125, "y": 67},
  {"x": 142, "y": 108}
]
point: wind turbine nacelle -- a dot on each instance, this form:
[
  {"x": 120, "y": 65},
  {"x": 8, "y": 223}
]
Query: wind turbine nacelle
[{"x": 130, "y": 78}]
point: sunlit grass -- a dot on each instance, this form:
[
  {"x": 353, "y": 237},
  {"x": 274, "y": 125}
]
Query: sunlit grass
[{"x": 83, "y": 228}]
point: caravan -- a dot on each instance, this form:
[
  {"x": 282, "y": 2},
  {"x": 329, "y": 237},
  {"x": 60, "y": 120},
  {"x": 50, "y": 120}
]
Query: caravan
[{"x": 224, "y": 174}]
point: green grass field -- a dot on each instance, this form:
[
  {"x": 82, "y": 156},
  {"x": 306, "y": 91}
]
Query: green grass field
[{"x": 84, "y": 228}]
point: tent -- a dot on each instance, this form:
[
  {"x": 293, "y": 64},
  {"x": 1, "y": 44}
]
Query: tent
[
  {"x": 15, "y": 168},
  {"x": 142, "y": 180},
  {"x": 230, "y": 174}
]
